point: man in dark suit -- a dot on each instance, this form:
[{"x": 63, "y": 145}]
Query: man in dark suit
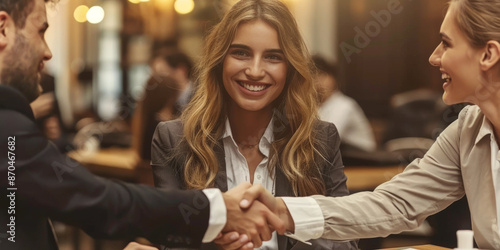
[{"x": 37, "y": 182}]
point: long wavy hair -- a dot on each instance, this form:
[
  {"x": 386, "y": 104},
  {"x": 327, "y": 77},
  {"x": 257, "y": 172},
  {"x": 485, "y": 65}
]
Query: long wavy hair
[{"x": 295, "y": 112}]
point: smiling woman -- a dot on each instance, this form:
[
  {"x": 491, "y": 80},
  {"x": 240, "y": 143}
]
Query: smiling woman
[
  {"x": 253, "y": 118},
  {"x": 463, "y": 160}
]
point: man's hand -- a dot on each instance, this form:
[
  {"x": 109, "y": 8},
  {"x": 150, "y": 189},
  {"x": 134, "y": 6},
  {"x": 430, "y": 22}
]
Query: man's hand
[
  {"x": 258, "y": 193},
  {"x": 256, "y": 221},
  {"x": 137, "y": 246},
  {"x": 43, "y": 105},
  {"x": 233, "y": 241}
]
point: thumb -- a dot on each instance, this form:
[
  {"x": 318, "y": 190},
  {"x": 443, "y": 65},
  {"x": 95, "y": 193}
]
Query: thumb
[
  {"x": 276, "y": 223},
  {"x": 258, "y": 192},
  {"x": 240, "y": 188}
]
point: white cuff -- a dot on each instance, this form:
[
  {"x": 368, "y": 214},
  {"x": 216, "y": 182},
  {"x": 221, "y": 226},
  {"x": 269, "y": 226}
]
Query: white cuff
[
  {"x": 218, "y": 214},
  {"x": 307, "y": 217}
]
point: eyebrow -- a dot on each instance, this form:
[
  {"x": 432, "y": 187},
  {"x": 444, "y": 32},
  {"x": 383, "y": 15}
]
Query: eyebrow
[
  {"x": 443, "y": 35},
  {"x": 242, "y": 46}
]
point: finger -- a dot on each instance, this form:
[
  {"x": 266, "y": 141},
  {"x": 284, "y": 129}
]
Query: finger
[
  {"x": 258, "y": 192},
  {"x": 240, "y": 188},
  {"x": 251, "y": 194},
  {"x": 275, "y": 222},
  {"x": 265, "y": 233},
  {"x": 137, "y": 246},
  {"x": 227, "y": 238},
  {"x": 248, "y": 246},
  {"x": 218, "y": 236},
  {"x": 238, "y": 244},
  {"x": 255, "y": 238}
]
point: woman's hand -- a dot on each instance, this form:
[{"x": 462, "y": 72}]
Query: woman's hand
[
  {"x": 137, "y": 246},
  {"x": 233, "y": 240}
]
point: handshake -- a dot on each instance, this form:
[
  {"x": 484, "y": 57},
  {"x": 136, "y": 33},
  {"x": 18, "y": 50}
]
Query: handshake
[{"x": 253, "y": 214}]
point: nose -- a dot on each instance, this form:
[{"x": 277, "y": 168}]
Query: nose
[
  {"x": 47, "y": 54},
  {"x": 255, "y": 70},
  {"x": 435, "y": 58}
]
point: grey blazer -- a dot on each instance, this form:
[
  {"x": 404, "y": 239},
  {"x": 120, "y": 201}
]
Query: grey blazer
[{"x": 169, "y": 173}]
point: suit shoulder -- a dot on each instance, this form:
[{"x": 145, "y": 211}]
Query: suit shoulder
[
  {"x": 173, "y": 126},
  {"x": 326, "y": 128},
  {"x": 168, "y": 132},
  {"x": 15, "y": 122}
]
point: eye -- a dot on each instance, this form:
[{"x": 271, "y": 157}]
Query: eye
[
  {"x": 275, "y": 57},
  {"x": 445, "y": 44},
  {"x": 239, "y": 53}
]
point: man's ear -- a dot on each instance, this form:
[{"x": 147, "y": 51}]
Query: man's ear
[
  {"x": 4, "y": 28},
  {"x": 491, "y": 55}
]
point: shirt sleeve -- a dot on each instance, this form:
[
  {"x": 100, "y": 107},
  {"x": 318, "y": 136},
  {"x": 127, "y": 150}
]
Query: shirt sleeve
[
  {"x": 307, "y": 217},
  {"x": 218, "y": 214}
]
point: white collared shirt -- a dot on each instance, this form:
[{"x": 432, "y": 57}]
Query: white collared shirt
[
  {"x": 487, "y": 129},
  {"x": 237, "y": 170},
  {"x": 307, "y": 215}
]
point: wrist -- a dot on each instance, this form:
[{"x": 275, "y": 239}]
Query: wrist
[{"x": 284, "y": 215}]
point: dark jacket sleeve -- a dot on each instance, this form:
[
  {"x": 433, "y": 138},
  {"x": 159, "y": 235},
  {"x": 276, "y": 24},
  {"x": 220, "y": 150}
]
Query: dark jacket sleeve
[
  {"x": 55, "y": 186},
  {"x": 334, "y": 178},
  {"x": 167, "y": 170}
]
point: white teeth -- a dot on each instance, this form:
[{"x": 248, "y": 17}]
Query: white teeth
[
  {"x": 446, "y": 77},
  {"x": 254, "y": 88}
]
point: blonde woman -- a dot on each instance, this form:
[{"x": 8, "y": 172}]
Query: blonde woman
[
  {"x": 464, "y": 159},
  {"x": 253, "y": 118}
]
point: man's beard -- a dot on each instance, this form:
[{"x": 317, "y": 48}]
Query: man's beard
[{"x": 20, "y": 69}]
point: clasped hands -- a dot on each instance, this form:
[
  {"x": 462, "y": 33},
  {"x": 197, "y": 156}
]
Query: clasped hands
[{"x": 253, "y": 214}]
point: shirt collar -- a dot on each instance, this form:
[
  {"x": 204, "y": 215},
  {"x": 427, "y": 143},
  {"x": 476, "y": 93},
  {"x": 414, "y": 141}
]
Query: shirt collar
[
  {"x": 265, "y": 141},
  {"x": 486, "y": 129}
]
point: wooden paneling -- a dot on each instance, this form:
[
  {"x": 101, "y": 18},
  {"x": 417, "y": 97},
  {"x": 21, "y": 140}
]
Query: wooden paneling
[{"x": 390, "y": 41}]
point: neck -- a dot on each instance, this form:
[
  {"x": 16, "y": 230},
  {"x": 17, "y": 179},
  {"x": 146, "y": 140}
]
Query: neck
[
  {"x": 491, "y": 109},
  {"x": 248, "y": 127}
]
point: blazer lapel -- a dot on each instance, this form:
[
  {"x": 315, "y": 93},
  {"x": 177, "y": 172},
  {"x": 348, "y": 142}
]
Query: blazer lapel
[
  {"x": 283, "y": 188},
  {"x": 221, "y": 178}
]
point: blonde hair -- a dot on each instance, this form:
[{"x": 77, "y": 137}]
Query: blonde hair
[
  {"x": 478, "y": 19},
  {"x": 295, "y": 113}
]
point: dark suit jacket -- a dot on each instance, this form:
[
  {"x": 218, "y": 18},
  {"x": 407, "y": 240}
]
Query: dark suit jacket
[
  {"x": 168, "y": 135},
  {"x": 48, "y": 184}
]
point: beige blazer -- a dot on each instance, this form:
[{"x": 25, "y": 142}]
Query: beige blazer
[{"x": 458, "y": 163}]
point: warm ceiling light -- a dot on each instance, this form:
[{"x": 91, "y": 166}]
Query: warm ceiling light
[
  {"x": 135, "y": 1},
  {"x": 164, "y": 4},
  {"x": 80, "y": 13},
  {"x": 183, "y": 6},
  {"x": 144, "y": 0},
  {"x": 95, "y": 14}
]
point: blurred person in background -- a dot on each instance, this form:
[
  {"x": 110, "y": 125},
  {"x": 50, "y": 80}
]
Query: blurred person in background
[
  {"x": 343, "y": 111},
  {"x": 176, "y": 64},
  {"x": 157, "y": 104},
  {"x": 48, "y": 117}
]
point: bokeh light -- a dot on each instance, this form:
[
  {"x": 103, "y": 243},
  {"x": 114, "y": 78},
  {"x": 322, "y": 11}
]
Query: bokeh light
[
  {"x": 95, "y": 14},
  {"x": 80, "y": 13},
  {"x": 183, "y": 6}
]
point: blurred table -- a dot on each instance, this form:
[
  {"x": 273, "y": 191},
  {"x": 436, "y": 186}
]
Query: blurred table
[
  {"x": 125, "y": 163},
  {"x": 120, "y": 163},
  {"x": 420, "y": 247},
  {"x": 361, "y": 178}
]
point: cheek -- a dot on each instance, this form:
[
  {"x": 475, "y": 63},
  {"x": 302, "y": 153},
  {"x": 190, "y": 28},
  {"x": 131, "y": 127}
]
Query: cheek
[
  {"x": 279, "y": 73},
  {"x": 230, "y": 67}
]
